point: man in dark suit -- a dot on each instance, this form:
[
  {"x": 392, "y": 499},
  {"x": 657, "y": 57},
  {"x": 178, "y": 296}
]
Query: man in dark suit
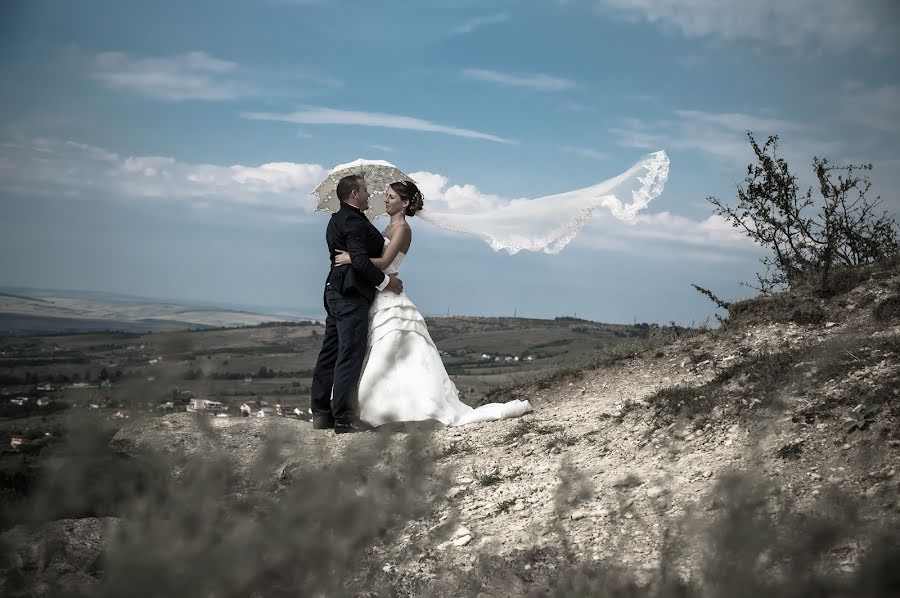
[{"x": 349, "y": 291}]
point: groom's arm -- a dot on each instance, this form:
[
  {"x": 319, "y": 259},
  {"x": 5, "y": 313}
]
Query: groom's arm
[{"x": 359, "y": 255}]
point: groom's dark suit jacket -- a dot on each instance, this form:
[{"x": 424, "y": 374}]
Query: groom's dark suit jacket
[{"x": 350, "y": 230}]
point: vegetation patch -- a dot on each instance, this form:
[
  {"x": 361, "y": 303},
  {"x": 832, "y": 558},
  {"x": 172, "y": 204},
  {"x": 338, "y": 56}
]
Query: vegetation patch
[{"x": 888, "y": 310}]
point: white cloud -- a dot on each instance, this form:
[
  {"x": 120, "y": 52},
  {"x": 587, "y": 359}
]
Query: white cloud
[
  {"x": 657, "y": 234},
  {"x": 723, "y": 136},
  {"x": 741, "y": 123},
  {"x": 191, "y": 76},
  {"x": 584, "y": 152},
  {"x": 330, "y": 116},
  {"x": 52, "y": 167},
  {"x": 537, "y": 82},
  {"x": 569, "y": 106},
  {"x": 878, "y": 109},
  {"x": 479, "y": 22},
  {"x": 821, "y": 25},
  {"x": 381, "y": 148}
]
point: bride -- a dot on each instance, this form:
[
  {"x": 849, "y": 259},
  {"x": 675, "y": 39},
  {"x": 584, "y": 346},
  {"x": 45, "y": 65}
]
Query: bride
[{"x": 403, "y": 378}]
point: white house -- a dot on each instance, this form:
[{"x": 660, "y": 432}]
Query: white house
[
  {"x": 205, "y": 406},
  {"x": 485, "y": 356},
  {"x": 43, "y": 401},
  {"x": 46, "y": 387},
  {"x": 252, "y": 407},
  {"x": 265, "y": 412}
]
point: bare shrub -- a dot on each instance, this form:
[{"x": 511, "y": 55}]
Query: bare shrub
[{"x": 809, "y": 238}]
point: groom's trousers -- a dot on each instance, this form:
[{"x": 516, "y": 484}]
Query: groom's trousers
[{"x": 336, "y": 377}]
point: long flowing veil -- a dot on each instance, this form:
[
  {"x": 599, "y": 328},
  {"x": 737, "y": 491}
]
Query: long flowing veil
[{"x": 549, "y": 223}]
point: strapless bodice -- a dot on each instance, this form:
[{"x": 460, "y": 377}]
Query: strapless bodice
[{"x": 394, "y": 266}]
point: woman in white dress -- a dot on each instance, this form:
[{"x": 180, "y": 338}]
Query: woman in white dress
[{"x": 403, "y": 378}]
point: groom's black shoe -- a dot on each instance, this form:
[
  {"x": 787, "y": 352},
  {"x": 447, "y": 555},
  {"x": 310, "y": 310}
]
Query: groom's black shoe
[
  {"x": 350, "y": 428},
  {"x": 322, "y": 422}
]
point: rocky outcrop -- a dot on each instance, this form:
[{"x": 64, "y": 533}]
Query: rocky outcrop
[{"x": 56, "y": 557}]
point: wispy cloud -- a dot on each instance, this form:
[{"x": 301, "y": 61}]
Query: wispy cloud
[
  {"x": 381, "y": 148},
  {"x": 537, "y": 82},
  {"x": 330, "y": 116},
  {"x": 191, "y": 76},
  {"x": 878, "y": 109},
  {"x": 584, "y": 152},
  {"x": 721, "y": 135},
  {"x": 821, "y": 25},
  {"x": 570, "y": 106},
  {"x": 479, "y": 22}
]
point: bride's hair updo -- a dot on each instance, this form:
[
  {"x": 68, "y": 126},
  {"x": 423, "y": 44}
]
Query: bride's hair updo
[{"x": 408, "y": 191}]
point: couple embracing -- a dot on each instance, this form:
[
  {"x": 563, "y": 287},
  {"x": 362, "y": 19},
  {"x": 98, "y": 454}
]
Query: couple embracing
[{"x": 378, "y": 364}]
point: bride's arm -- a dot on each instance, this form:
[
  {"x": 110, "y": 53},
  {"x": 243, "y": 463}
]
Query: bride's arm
[{"x": 398, "y": 240}]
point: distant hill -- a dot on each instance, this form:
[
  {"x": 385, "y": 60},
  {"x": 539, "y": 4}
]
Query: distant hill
[{"x": 43, "y": 311}]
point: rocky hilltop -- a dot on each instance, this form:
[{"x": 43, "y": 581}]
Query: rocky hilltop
[{"x": 757, "y": 453}]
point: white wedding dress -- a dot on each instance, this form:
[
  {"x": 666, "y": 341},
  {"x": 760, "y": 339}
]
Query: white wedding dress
[{"x": 404, "y": 379}]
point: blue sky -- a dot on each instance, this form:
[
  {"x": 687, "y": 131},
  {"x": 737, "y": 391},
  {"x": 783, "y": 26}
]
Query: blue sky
[{"x": 167, "y": 149}]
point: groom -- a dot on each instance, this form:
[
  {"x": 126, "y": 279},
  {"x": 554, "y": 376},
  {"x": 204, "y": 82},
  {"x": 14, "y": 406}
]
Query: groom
[{"x": 349, "y": 290}]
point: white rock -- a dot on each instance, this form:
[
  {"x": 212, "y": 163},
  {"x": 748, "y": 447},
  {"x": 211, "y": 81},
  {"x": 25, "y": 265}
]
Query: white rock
[
  {"x": 465, "y": 481},
  {"x": 655, "y": 491},
  {"x": 461, "y": 531},
  {"x": 707, "y": 474},
  {"x": 462, "y": 541},
  {"x": 454, "y": 491}
]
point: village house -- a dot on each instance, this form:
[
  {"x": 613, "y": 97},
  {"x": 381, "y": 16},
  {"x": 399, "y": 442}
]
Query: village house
[
  {"x": 44, "y": 401},
  {"x": 286, "y": 410},
  {"x": 251, "y": 408},
  {"x": 19, "y": 401},
  {"x": 205, "y": 406},
  {"x": 46, "y": 387},
  {"x": 266, "y": 412},
  {"x": 20, "y": 443}
]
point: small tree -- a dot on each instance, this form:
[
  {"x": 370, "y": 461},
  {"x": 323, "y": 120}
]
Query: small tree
[{"x": 808, "y": 238}]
